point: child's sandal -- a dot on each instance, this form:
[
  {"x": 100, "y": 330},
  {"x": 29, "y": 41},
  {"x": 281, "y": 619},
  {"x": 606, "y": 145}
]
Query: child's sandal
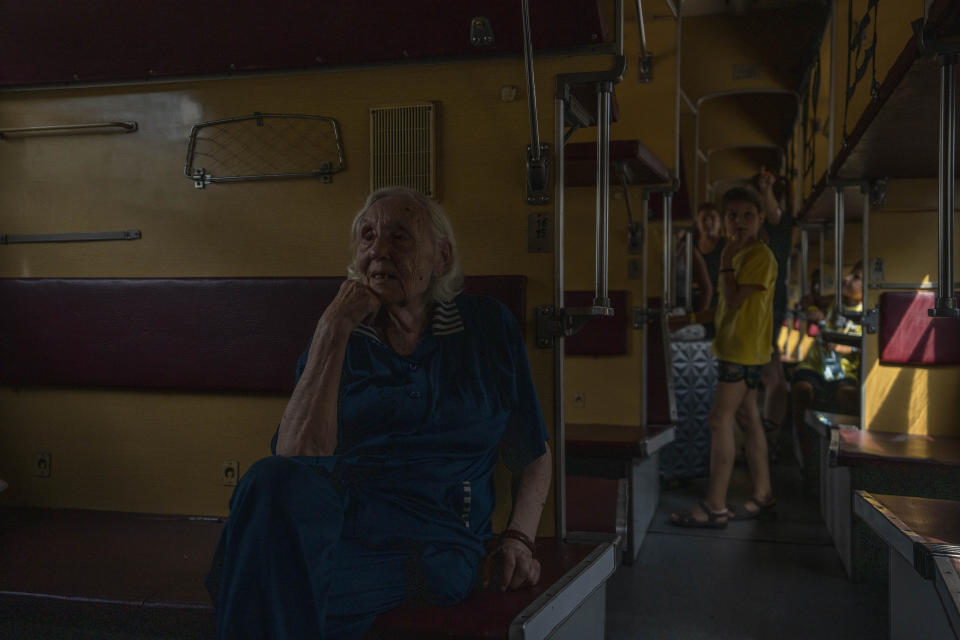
[{"x": 715, "y": 519}]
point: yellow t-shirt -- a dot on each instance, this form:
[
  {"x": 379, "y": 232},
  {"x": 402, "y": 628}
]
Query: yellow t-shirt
[{"x": 745, "y": 335}]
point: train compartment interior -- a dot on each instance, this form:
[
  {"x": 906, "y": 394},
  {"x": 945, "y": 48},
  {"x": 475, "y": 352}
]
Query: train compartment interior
[{"x": 178, "y": 186}]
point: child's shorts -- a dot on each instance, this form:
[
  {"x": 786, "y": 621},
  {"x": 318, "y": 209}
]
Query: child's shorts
[{"x": 733, "y": 372}]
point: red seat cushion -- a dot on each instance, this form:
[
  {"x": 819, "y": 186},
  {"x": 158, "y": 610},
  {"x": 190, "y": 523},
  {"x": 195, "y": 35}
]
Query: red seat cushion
[{"x": 909, "y": 336}]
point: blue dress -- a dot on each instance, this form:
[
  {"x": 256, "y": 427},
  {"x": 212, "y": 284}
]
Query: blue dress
[{"x": 318, "y": 546}]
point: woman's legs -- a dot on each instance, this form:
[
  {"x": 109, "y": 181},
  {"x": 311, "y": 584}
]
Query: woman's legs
[{"x": 283, "y": 568}]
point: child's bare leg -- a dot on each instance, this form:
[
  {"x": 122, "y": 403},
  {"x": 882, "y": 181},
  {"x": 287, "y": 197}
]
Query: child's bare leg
[
  {"x": 727, "y": 398},
  {"x": 755, "y": 448}
]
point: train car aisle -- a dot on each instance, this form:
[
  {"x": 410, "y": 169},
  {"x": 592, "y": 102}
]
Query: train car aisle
[{"x": 759, "y": 580}]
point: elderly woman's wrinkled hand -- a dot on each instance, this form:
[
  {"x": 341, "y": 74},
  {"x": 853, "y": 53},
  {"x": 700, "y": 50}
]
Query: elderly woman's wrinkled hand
[
  {"x": 511, "y": 566},
  {"x": 354, "y": 303}
]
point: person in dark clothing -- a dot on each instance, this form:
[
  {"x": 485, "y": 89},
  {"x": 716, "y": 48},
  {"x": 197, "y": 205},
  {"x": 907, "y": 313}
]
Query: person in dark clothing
[{"x": 380, "y": 489}]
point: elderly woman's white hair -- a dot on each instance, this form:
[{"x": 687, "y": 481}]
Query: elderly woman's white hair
[{"x": 443, "y": 288}]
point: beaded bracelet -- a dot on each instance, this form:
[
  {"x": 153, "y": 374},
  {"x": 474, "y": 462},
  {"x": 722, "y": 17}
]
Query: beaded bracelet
[{"x": 519, "y": 536}]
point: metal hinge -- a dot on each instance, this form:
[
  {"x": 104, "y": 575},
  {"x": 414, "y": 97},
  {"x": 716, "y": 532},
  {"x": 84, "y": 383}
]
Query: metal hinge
[{"x": 201, "y": 178}]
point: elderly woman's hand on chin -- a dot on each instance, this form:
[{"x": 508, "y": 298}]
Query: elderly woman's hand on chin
[{"x": 354, "y": 304}]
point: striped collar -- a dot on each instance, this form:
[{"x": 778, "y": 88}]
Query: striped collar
[{"x": 446, "y": 321}]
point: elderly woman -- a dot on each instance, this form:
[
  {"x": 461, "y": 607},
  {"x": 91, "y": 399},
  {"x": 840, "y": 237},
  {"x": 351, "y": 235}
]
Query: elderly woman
[{"x": 381, "y": 489}]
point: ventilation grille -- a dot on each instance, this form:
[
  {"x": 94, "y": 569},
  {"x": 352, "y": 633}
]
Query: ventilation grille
[{"x": 403, "y": 148}]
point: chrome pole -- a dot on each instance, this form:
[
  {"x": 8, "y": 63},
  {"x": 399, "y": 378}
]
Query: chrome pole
[
  {"x": 602, "y": 298},
  {"x": 688, "y": 280},
  {"x": 531, "y": 88},
  {"x": 804, "y": 262},
  {"x": 822, "y": 259},
  {"x": 559, "y": 413},
  {"x": 644, "y": 305},
  {"x": 667, "y": 252},
  {"x": 865, "y": 261},
  {"x": 838, "y": 222},
  {"x": 946, "y": 305}
]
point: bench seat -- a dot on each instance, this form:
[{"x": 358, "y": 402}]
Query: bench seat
[
  {"x": 127, "y": 572},
  {"x": 615, "y": 452},
  {"x": 923, "y": 540},
  {"x": 853, "y": 459},
  {"x": 569, "y": 602}
]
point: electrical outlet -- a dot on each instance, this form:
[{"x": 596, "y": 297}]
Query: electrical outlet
[
  {"x": 230, "y": 472},
  {"x": 579, "y": 400},
  {"x": 42, "y": 464}
]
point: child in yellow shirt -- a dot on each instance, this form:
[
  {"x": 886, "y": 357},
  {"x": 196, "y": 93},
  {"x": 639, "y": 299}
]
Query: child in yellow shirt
[{"x": 743, "y": 320}]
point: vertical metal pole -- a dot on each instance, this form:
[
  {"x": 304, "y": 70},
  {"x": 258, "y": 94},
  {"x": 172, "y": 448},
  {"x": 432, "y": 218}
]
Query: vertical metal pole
[
  {"x": 865, "y": 261},
  {"x": 645, "y": 305},
  {"x": 559, "y": 386},
  {"x": 804, "y": 262},
  {"x": 946, "y": 300},
  {"x": 676, "y": 106},
  {"x": 602, "y": 299},
  {"x": 618, "y": 18},
  {"x": 696, "y": 158},
  {"x": 667, "y": 252},
  {"x": 822, "y": 259},
  {"x": 531, "y": 88},
  {"x": 831, "y": 131},
  {"x": 688, "y": 280},
  {"x": 838, "y": 222}
]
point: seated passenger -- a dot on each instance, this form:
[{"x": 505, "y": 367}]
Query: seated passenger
[
  {"x": 381, "y": 490},
  {"x": 828, "y": 376},
  {"x": 743, "y": 345}
]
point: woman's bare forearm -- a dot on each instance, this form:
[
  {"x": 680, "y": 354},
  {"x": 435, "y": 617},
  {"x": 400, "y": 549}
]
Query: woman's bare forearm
[
  {"x": 309, "y": 423},
  {"x": 532, "y": 495}
]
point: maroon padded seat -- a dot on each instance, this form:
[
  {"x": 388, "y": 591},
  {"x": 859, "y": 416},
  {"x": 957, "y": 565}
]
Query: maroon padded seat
[
  {"x": 198, "y": 334},
  {"x": 106, "y": 556},
  {"x": 592, "y": 503},
  {"x": 909, "y": 336},
  {"x": 606, "y": 336},
  {"x": 487, "y": 613},
  {"x": 658, "y": 391},
  {"x": 862, "y": 447},
  {"x": 938, "y": 521},
  {"x": 612, "y": 441}
]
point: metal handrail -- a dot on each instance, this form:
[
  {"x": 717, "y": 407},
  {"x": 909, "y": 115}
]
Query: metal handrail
[
  {"x": 643, "y": 32},
  {"x": 128, "y": 126}
]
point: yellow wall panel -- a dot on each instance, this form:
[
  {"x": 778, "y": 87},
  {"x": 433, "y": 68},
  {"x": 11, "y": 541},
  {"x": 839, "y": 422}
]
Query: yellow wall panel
[{"x": 908, "y": 399}]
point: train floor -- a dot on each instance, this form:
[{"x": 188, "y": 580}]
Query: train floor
[{"x": 752, "y": 580}]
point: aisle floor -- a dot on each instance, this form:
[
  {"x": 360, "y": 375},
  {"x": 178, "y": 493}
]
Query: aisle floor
[{"x": 781, "y": 580}]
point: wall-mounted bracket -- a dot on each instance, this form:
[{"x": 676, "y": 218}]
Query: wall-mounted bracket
[
  {"x": 645, "y": 69},
  {"x": 553, "y": 323},
  {"x": 642, "y": 316},
  {"x": 538, "y": 175},
  {"x": 878, "y": 192},
  {"x": 871, "y": 320},
  {"x": 481, "y": 32},
  {"x": 635, "y": 238}
]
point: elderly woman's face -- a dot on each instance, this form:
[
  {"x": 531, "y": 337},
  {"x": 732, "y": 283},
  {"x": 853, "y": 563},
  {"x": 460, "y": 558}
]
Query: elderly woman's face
[{"x": 396, "y": 252}]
